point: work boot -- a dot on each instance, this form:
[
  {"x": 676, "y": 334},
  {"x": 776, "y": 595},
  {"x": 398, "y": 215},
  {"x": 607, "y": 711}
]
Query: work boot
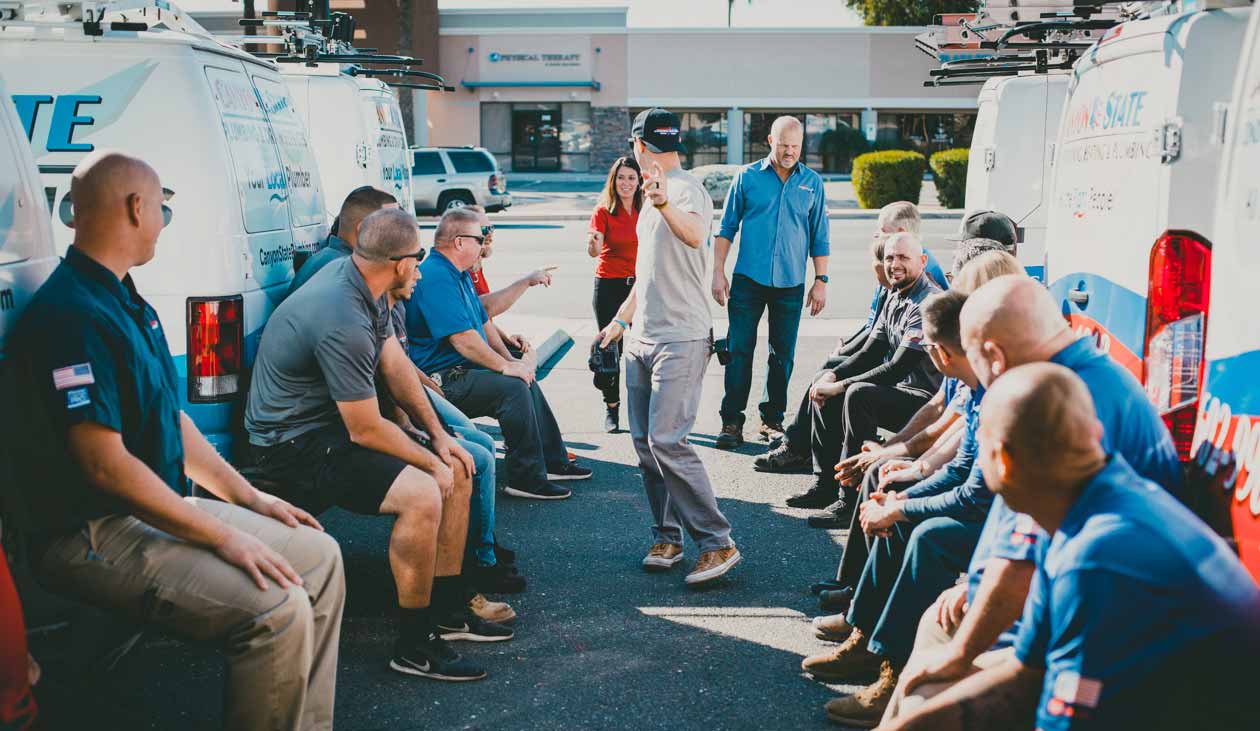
[
  {"x": 832, "y": 627},
  {"x": 851, "y": 662},
  {"x": 835, "y": 600},
  {"x": 731, "y": 437},
  {"x": 782, "y": 460},
  {"x": 835, "y": 515},
  {"x": 865, "y": 708},
  {"x": 769, "y": 431},
  {"x": 612, "y": 419},
  {"x": 713, "y": 565},
  {"x": 822, "y": 494}
]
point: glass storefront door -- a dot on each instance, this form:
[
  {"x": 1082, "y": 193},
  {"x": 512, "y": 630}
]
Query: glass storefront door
[{"x": 536, "y": 138}]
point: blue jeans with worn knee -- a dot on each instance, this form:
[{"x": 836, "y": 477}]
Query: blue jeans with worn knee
[
  {"x": 748, "y": 301},
  {"x": 904, "y": 575},
  {"x": 481, "y": 446}
]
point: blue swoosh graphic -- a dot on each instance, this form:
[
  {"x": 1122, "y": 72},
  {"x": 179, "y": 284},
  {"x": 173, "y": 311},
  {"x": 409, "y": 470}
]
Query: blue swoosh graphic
[{"x": 277, "y": 198}]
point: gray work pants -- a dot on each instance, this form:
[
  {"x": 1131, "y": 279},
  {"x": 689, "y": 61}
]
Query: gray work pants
[
  {"x": 663, "y": 383},
  {"x": 281, "y": 644}
]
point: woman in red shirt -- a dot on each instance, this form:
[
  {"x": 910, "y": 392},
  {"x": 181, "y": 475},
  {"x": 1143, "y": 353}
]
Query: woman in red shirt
[{"x": 613, "y": 241}]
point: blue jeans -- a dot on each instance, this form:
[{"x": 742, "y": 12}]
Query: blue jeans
[
  {"x": 904, "y": 575},
  {"x": 481, "y": 446},
  {"x": 747, "y": 302}
]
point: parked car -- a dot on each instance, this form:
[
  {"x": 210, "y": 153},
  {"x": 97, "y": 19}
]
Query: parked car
[{"x": 452, "y": 177}]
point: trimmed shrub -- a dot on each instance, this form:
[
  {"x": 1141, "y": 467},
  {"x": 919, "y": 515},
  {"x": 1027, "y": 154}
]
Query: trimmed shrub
[
  {"x": 949, "y": 170},
  {"x": 880, "y": 178}
]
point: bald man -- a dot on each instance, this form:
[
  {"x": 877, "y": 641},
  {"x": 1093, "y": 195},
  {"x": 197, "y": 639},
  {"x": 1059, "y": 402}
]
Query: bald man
[
  {"x": 1009, "y": 322},
  {"x": 881, "y": 386},
  {"x": 105, "y": 455},
  {"x": 1139, "y": 617},
  {"x": 779, "y": 208}
]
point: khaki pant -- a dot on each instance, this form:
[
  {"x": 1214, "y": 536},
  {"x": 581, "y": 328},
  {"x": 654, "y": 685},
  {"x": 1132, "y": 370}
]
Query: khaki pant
[
  {"x": 281, "y": 645},
  {"x": 930, "y": 637}
]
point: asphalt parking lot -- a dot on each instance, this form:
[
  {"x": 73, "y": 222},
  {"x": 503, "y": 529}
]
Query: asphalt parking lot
[{"x": 599, "y": 644}]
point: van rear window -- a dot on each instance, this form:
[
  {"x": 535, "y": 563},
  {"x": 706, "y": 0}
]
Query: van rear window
[
  {"x": 471, "y": 161},
  {"x": 428, "y": 163},
  {"x": 260, "y": 177}
]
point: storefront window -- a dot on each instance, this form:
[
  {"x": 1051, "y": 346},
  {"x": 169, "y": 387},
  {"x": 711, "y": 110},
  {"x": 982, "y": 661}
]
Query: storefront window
[
  {"x": 926, "y": 133},
  {"x": 496, "y": 132},
  {"x": 832, "y": 139},
  {"x": 575, "y": 137},
  {"x": 704, "y": 136}
]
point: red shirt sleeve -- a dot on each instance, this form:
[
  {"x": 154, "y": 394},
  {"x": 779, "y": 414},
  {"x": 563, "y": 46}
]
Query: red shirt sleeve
[
  {"x": 599, "y": 221},
  {"x": 480, "y": 285}
]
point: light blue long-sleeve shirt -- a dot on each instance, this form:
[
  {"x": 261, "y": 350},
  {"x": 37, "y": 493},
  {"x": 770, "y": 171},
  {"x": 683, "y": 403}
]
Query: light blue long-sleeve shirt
[{"x": 782, "y": 224}]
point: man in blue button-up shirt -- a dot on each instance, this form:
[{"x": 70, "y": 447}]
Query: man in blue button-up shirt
[{"x": 781, "y": 207}]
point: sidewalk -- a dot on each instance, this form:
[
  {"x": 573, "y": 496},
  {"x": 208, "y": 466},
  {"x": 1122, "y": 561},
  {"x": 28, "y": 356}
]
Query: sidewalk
[{"x": 572, "y": 197}]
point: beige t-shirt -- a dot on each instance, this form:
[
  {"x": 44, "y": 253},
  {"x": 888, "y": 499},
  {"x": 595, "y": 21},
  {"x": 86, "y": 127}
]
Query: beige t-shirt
[{"x": 672, "y": 279}]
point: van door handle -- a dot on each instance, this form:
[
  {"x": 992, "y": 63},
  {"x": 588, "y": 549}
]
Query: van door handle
[
  {"x": 1078, "y": 297},
  {"x": 441, "y": 180}
]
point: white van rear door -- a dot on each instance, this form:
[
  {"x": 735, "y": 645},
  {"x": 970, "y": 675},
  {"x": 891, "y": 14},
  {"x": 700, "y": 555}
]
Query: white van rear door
[
  {"x": 381, "y": 112},
  {"x": 306, "y": 197}
]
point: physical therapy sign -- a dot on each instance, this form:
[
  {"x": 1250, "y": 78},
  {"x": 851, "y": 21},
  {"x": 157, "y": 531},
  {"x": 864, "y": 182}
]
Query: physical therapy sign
[{"x": 535, "y": 59}]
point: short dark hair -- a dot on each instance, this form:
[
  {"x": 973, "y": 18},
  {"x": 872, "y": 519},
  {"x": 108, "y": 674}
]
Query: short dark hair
[
  {"x": 362, "y": 202},
  {"x": 941, "y": 318}
]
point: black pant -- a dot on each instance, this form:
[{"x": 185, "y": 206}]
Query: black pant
[
  {"x": 857, "y": 547},
  {"x": 530, "y": 431},
  {"x": 841, "y": 424},
  {"x": 800, "y": 433},
  {"x": 607, "y": 299}
]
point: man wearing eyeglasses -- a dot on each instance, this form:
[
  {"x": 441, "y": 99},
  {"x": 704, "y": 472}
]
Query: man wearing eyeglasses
[
  {"x": 501, "y": 300},
  {"x": 451, "y": 335}
]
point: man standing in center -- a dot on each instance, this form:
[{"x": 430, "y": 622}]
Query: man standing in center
[
  {"x": 781, "y": 208},
  {"x": 668, "y": 353}
]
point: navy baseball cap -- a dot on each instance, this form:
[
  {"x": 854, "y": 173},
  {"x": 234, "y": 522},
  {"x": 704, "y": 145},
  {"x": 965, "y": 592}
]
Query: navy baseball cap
[
  {"x": 660, "y": 129},
  {"x": 988, "y": 225}
]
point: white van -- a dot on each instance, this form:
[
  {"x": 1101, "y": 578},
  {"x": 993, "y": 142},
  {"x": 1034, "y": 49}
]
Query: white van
[
  {"x": 1011, "y": 148},
  {"x": 356, "y": 130},
  {"x": 1135, "y": 169},
  {"x": 1229, "y": 411},
  {"x": 221, "y": 129}
]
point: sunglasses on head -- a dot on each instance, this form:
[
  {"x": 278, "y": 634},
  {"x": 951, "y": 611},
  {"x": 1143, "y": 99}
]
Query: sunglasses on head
[{"x": 418, "y": 256}]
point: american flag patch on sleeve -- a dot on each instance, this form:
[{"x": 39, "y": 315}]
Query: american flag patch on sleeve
[
  {"x": 73, "y": 376},
  {"x": 1073, "y": 692}
]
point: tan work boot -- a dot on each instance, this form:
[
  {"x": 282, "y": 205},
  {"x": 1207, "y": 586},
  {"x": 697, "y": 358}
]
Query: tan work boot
[
  {"x": 865, "y": 708},
  {"x": 832, "y": 628},
  {"x": 662, "y": 556},
  {"x": 713, "y": 565},
  {"x": 497, "y": 612},
  {"x": 851, "y": 662}
]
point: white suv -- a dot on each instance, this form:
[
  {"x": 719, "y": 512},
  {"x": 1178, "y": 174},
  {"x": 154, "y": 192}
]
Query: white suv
[{"x": 452, "y": 177}]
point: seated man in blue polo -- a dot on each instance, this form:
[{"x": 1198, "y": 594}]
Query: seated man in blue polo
[
  {"x": 1139, "y": 617},
  {"x": 451, "y": 337}
]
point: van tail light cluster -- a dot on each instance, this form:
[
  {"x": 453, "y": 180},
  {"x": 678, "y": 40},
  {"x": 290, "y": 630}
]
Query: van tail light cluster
[
  {"x": 1176, "y": 324},
  {"x": 216, "y": 337}
]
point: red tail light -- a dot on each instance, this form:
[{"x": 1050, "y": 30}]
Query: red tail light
[
  {"x": 215, "y": 344},
  {"x": 1176, "y": 323}
]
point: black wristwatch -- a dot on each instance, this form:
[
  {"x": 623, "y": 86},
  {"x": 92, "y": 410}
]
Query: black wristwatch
[{"x": 822, "y": 278}]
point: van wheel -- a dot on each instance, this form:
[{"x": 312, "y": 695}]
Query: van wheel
[{"x": 451, "y": 200}]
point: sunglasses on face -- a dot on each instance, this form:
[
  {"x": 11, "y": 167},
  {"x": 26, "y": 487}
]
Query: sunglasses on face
[
  {"x": 481, "y": 240},
  {"x": 418, "y": 256},
  {"x": 487, "y": 231},
  {"x": 167, "y": 212}
]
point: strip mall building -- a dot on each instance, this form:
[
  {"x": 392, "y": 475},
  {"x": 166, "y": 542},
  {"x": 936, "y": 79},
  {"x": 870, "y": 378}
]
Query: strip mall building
[{"x": 548, "y": 89}]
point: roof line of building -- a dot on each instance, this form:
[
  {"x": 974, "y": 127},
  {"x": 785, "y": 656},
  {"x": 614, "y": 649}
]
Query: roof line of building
[{"x": 638, "y": 30}]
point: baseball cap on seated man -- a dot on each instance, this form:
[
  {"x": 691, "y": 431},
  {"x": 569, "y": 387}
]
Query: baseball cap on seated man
[
  {"x": 660, "y": 129},
  {"x": 988, "y": 225}
]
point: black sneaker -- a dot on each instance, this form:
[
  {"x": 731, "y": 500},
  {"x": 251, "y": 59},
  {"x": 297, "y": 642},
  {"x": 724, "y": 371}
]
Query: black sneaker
[
  {"x": 568, "y": 471},
  {"x": 434, "y": 659},
  {"x": 782, "y": 460},
  {"x": 731, "y": 437},
  {"x": 836, "y": 601},
  {"x": 612, "y": 419},
  {"x": 544, "y": 491},
  {"x": 835, "y": 515},
  {"x": 819, "y": 587},
  {"x": 504, "y": 556},
  {"x": 497, "y": 579},
  {"x": 817, "y": 497},
  {"x": 464, "y": 625}
]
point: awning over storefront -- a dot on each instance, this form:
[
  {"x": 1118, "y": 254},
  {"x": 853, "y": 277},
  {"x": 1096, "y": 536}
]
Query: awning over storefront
[{"x": 592, "y": 84}]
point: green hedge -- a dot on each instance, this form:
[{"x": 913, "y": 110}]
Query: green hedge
[
  {"x": 880, "y": 178},
  {"x": 949, "y": 170}
]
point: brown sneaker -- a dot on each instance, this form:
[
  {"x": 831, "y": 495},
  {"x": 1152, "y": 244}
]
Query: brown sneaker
[
  {"x": 497, "y": 612},
  {"x": 713, "y": 565},
  {"x": 732, "y": 436},
  {"x": 865, "y": 708},
  {"x": 851, "y": 662},
  {"x": 662, "y": 556},
  {"x": 832, "y": 628}
]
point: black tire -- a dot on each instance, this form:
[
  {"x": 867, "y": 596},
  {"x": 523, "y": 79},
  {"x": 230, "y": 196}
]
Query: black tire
[{"x": 454, "y": 199}]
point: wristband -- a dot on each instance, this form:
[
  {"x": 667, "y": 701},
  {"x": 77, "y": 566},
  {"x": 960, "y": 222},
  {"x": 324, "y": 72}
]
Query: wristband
[
  {"x": 624, "y": 325},
  {"x": 659, "y": 206}
]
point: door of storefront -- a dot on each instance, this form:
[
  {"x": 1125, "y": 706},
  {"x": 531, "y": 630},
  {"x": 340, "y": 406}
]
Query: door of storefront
[{"x": 536, "y": 139}]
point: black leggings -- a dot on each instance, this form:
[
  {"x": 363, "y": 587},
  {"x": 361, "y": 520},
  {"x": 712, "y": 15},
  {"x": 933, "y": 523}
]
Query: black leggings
[{"x": 609, "y": 294}]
